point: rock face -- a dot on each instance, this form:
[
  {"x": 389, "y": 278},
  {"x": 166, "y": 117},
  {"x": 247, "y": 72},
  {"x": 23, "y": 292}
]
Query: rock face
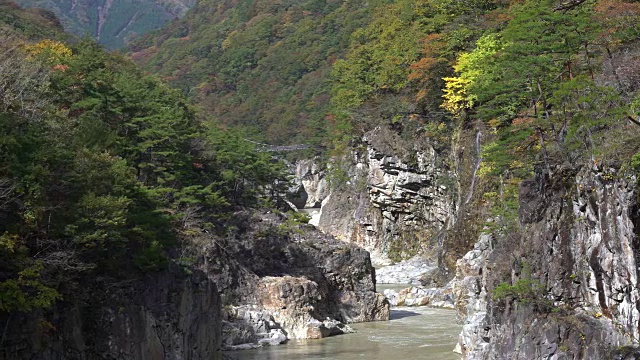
[
  {"x": 164, "y": 316},
  {"x": 391, "y": 204},
  {"x": 419, "y": 296},
  {"x": 310, "y": 184},
  {"x": 291, "y": 280},
  {"x": 580, "y": 242},
  {"x": 412, "y": 271}
]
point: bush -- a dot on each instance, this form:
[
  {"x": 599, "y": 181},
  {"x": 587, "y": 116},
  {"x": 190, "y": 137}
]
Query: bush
[{"x": 526, "y": 291}]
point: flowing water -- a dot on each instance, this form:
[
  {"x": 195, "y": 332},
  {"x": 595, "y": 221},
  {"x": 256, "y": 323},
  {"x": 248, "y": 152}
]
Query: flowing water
[{"x": 412, "y": 333}]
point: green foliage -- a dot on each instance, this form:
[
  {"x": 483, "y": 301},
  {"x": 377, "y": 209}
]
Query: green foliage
[
  {"x": 473, "y": 68},
  {"x": 524, "y": 290},
  {"x": 102, "y": 167},
  {"x": 261, "y": 66},
  {"x": 408, "y": 244},
  {"x": 27, "y": 292},
  {"x": 32, "y": 24},
  {"x": 152, "y": 258},
  {"x": 522, "y": 65},
  {"x": 299, "y": 217},
  {"x": 379, "y": 56},
  {"x": 635, "y": 162}
]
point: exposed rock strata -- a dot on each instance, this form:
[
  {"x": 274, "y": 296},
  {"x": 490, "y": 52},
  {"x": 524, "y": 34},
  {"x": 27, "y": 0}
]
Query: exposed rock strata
[
  {"x": 580, "y": 241},
  {"x": 412, "y": 271},
  {"x": 391, "y": 203},
  {"x": 310, "y": 185}
]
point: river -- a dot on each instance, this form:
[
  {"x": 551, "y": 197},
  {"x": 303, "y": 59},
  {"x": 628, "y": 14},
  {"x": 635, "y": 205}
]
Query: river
[{"x": 412, "y": 333}]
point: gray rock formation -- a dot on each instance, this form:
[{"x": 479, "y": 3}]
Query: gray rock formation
[
  {"x": 392, "y": 204},
  {"x": 410, "y": 271},
  {"x": 419, "y": 296},
  {"x": 290, "y": 277},
  {"x": 163, "y": 316},
  {"x": 310, "y": 185},
  {"x": 247, "y": 327},
  {"x": 580, "y": 243}
]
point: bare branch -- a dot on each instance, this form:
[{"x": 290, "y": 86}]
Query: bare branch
[{"x": 633, "y": 120}]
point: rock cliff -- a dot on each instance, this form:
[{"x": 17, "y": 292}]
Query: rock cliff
[
  {"x": 566, "y": 273},
  {"x": 162, "y": 316},
  {"x": 392, "y": 205},
  {"x": 268, "y": 280},
  {"x": 578, "y": 247},
  {"x": 310, "y": 184}
]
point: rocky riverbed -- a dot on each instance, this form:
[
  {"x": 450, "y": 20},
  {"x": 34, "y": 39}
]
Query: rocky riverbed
[
  {"x": 416, "y": 270},
  {"x": 407, "y": 276}
]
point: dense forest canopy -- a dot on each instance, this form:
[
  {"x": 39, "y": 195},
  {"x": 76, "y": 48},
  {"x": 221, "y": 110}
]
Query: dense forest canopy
[
  {"x": 103, "y": 168},
  {"x": 313, "y": 71},
  {"x": 260, "y": 65}
]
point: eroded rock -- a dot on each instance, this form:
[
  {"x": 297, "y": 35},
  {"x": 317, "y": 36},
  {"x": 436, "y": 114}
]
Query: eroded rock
[
  {"x": 580, "y": 243},
  {"x": 166, "y": 315},
  {"x": 291, "y": 281},
  {"x": 419, "y": 296}
]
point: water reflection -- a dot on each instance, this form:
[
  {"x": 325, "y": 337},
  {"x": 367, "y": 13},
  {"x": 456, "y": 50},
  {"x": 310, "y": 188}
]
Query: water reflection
[{"x": 412, "y": 333}]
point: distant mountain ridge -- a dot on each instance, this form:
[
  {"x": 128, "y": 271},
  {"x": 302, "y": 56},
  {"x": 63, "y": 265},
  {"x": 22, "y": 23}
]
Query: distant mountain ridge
[{"x": 112, "y": 22}]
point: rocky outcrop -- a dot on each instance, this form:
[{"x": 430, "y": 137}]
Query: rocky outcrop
[
  {"x": 579, "y": 244},
  {"x": 419, "y": 296},
  {"x": 416, "y": 270},
  {"x": 392, "y": 205},
  {"x": 292, "y": 278},
  {"x": 310, "y": 186},
  {"x": 470, "y": 291},
  {"x": 163, "y": 316},
  {"x": 247, "y": 327}
]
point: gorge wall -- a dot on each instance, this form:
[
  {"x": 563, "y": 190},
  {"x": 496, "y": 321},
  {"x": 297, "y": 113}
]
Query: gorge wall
[
  {"x": 392, "y": 205},
  {"x": 566, "y": 274},
  {"x": 270, "y": 279},
  {"x": 579, "y": 248},
  {"x": 164, "y": 316},
  {"x": 277, "y": 276}
]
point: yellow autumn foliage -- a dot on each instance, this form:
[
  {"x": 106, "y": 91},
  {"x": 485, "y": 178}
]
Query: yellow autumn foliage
[{"x": 51, "y": 50}]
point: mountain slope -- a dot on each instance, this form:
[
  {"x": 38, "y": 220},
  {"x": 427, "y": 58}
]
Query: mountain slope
[
  {"x": 112, "y": 22},
  {"x": 259, "y": 64},
  {"x": 32, "y": 24}
]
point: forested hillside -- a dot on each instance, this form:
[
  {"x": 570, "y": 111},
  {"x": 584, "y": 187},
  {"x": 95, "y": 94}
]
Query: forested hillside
[
  {"x": 102, "y": 167},
  {"x": 499, "y": 139},
  {"x": 112, "y": 22},
  {"x": 272, "y": 66},
  {"x": 260, "y": 65},
  {"x": 544, "y": 81},
  {"x": 504, "y": 132},
  {"x": 546, "y": 77}
]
